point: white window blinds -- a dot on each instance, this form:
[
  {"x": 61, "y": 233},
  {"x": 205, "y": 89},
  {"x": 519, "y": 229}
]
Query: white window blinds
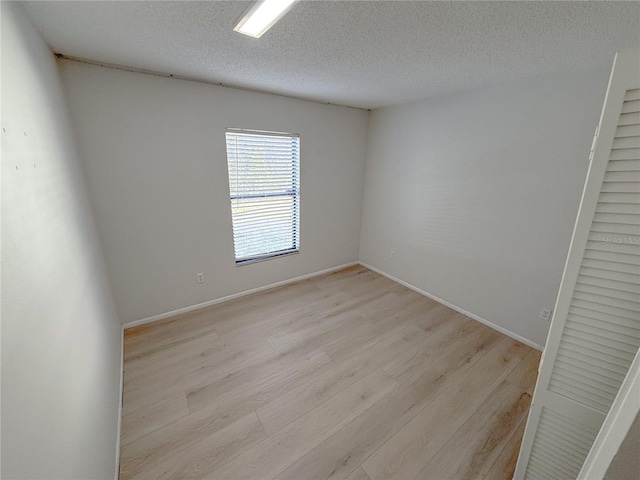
[{"x": 264, "y": 182}]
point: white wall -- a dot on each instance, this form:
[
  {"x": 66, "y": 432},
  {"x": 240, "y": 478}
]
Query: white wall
[
  {"x": 154, "y": 151},
  {"x": 478, "y": 193},
  {"x": 60, "y": 333}
]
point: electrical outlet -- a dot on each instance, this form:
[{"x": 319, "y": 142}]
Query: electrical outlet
[
  {"x": 545, "y": 314},
  {"x": 200, "y": 277},
  {"x": 393, "y": 254}
]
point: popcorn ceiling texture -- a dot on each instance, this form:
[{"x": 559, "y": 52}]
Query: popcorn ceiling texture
[{"x": 360, "y": 54}]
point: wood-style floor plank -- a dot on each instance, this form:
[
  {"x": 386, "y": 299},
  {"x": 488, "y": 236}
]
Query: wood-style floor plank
[
  {"x": 505, "y": 464},
  {"x": 283, "y": 371},
  {"x": 340, "y": 454},
  {"x": 185, "y": 378},
  {"x": 410, "y": 449},
  {"x": 347, "y": 375},
  {"x": 242, "y": 397},
  {"x": 204, "y": 457},
  {"x": 277, "y": 452},
  {"x": 485, "y": 434},
  {"x": 158, "y": 414},
  {"x": 298, "y": 401}
]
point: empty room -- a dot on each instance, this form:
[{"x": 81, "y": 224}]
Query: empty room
[{"x": 304, "y": 240}]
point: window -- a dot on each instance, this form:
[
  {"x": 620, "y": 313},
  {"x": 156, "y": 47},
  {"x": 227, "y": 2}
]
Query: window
[{"x": 264, "y": 182}]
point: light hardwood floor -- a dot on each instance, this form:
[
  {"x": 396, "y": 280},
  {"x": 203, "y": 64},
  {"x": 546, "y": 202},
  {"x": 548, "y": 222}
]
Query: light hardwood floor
[{"x": 346, "y": 375}]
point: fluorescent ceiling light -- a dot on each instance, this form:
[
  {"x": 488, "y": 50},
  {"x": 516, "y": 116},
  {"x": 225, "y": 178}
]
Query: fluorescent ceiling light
[{"x": 262, "y": 16}]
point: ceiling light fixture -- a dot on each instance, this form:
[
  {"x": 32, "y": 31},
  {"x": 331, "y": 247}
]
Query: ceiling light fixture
[{"x": 262, "y": 16}]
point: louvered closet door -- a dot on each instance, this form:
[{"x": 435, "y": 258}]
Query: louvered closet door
[{"x": 595, "y": 331}]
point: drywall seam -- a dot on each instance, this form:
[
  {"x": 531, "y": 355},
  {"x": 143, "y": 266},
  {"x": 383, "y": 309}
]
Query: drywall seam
[
  {"x": 484, "y": 321},
  {"x": 198, "y": 306}
]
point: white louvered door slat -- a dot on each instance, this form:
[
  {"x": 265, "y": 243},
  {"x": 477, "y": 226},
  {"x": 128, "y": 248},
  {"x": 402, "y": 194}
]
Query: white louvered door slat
[{"x": 595, "y": 332}]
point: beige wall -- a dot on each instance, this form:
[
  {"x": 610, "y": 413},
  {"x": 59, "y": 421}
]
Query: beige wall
[
  {"x": 61, "y": 338},
  {"x": 154, "y": 154},
  {"x": 477, "y": 193}
]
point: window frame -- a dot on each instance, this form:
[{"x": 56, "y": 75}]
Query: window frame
[{"x": 294, "y": 192}]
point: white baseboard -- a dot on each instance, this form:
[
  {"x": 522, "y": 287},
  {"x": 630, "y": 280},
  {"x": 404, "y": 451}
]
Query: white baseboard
[
  {"x": 119, "y": 430},
  {"x": 198, "y": 306},
  {"x": 486, "y": 322}
]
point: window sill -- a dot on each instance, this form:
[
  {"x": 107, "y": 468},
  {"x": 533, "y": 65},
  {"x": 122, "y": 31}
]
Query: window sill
[{"x": 249, "y": 261}]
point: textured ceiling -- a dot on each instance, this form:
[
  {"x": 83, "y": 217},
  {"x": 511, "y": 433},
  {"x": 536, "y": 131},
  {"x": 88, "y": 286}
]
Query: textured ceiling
[{"x": 361, "y": 54}]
